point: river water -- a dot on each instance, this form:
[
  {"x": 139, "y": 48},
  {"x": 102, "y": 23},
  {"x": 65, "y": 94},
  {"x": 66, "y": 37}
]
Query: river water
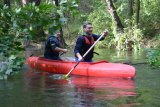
[{"x": 31, "y": 88}]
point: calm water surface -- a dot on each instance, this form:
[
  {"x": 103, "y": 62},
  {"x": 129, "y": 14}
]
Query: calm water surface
[{"x": 35, "y": 89}]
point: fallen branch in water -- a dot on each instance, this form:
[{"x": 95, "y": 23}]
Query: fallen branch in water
[{"x": 131, "y": 63}]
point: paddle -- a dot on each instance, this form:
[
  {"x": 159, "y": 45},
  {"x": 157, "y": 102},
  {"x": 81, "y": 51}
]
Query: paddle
[{"x": 85, "y": 54}]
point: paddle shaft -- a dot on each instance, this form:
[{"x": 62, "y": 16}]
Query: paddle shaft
[{"x": 84, "y": 55}]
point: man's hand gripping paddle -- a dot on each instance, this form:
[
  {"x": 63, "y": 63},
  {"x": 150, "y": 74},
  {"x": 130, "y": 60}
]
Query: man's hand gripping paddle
[{"x": 104, "y": 33}]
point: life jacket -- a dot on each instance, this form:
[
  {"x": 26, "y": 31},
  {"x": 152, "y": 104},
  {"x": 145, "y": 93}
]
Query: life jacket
[{"x": 87, "y": 40}]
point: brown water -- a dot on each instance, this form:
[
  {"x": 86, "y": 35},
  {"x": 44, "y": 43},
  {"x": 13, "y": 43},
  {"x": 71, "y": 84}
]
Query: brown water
[{"x": 31, "y": 88}]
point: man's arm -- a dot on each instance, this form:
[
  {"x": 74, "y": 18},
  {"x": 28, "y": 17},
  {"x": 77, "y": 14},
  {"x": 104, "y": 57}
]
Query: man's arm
[
  {"x": 53, "y": 43},
  {"x": 78, "y": 47},
  {"x": 58, "y": 49}
]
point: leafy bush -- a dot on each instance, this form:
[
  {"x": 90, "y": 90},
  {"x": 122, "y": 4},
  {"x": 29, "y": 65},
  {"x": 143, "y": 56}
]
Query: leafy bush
[
  {"x": 129, "y": 39},
  {"x": 10, "y": 66},
  {"x": 10, "y": 44},
  {"x": 154, "y": 57}
]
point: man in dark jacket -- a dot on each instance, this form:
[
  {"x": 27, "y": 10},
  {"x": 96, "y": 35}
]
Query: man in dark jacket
[
  {"x": 52, "y": 47},
  {"x": 84, "y": 42}
]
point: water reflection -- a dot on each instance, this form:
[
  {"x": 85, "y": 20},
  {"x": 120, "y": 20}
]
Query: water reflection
[
  {"x": 90, "y": 90},
  {"x": 79, "y": 91}
]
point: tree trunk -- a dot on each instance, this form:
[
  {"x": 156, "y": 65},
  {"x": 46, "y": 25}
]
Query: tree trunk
[
  {"x": 130, "y": 8},
  {"x": 37, "y": 2},
  {"x": 7, "y": 2},
  {"x": 62, "y": 41},
  {"x": 137, "y": 11},
  {"x": 130, "y": 12},
  {"x": 56, "y": 2},
  {"x": 115, "y": 17},
  {"x": 24, "y": 2}
]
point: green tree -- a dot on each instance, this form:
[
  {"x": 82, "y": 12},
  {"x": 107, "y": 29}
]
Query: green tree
[{"x": 29, "y": 21}]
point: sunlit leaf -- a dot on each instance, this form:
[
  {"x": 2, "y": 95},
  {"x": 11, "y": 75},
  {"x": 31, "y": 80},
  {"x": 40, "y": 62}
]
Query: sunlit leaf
[
  {"x": 8, "y": 71},
  {"x": 17, "y": 10},
  {"x": 12, "y": 57}
]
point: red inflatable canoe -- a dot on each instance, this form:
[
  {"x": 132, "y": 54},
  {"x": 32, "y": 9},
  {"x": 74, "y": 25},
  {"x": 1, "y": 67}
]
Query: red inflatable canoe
[{"x": 98, "y": 69}]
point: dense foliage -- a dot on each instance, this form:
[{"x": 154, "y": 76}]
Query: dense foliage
[
  {"x": 135, "y": 35},
  {"x": 154, "y": 57},
  {"x": 28, "y": 22},
  {"x": 10, "y": 44}
]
